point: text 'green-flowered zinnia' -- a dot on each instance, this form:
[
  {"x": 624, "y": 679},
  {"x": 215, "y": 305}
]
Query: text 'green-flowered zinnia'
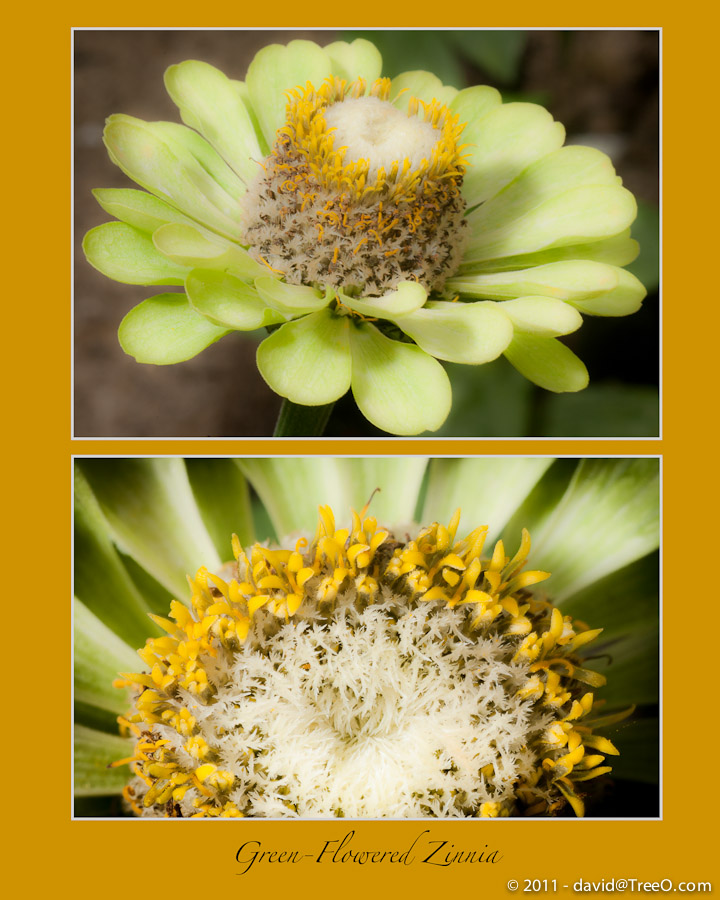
[{"x": 373, "y": 226}]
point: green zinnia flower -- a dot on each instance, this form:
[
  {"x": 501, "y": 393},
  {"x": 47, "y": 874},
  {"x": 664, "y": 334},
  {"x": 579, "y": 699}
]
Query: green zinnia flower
[
  {"x": 373, "y": 226},
  {"x": 379, "y": 670}
]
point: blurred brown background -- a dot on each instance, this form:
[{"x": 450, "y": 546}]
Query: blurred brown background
[{"x": 603, "y": 86}]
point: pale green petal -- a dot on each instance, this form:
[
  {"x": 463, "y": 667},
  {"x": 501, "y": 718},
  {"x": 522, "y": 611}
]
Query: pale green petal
[
  {"x": 572, "y": 280},
  {"x": 607, "y": 517},
  {"x": 98, "y": 657},
  {"x": 153, "y": 517},
  {"x": 473, "y": 104},
  {"x": 423, "y": 85},
  {"x": 619, "y": 250},
  {"x": 276, "y": 69},
  {"x": 223, "y": 498},
  {"x": 101, "y": 581},
  {"x": 544, "y": 316},
  {"x": 502, "y": 144},
  {"x": 209, "y": 103},
  {"x": 547, "y": 362},
  {"x": 93, "y": 752},
  {"x": 359, "y": 59},
  {"x": 568, "y": 197},
  {"x": 290, "y": 299},
  {"x": 623, "y": 300},
  {"x": 185, "y": 140},
  {"x": 189, "y": 246},
  {"x": 125, "y": 254},
  {"x": 488, "y": 490},
  {"x": 228, "y": 301},
  {"x": 406, "y": 298},
  {"x": 472, "y": 333},
  {"x": 138, "y": 208},
  {"x": 244, "y": 94},
  {"x": 151, "y": 155},
  {"x": 292, "y": 489},
  {"x": 397, "y": 386},
  {"x": 308, "y": 360},
  {"x": 165, "y": 329}
]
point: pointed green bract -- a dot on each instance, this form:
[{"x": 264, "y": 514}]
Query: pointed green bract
[
  {"x": 472, "y": 333},
  {"x": 292, "y": 489},
  {"x": 94, "y": 751},
  {"x": 607, "y": 517},
  {"x": 358, "y": 59},
  {"x": 153, "y": 517},
  {"x": 544, "y": 316},
  {"x": 209, "y": 104},
  {"x": 98, "y": 657},
  {"x": 223, "y": 499},
  {"x": 165, "y": 329},
  {"x": 125, "y": 254},
  {"x": 101, "y": 581},
  {"x": 227, "y": 301},
  {"x": 487, "y": 491},
  {"x": 308, "y": 360},
  {"x": 397, "y": 386},
  {"x": 277, "y": 69},
  {"x": 138, "y": 208},
  {"x": 547, "y": 363}
]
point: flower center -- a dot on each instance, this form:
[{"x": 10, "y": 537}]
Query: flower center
[
  {"x": 364, "y": 676},
  {"x": 359, "y": 194}
]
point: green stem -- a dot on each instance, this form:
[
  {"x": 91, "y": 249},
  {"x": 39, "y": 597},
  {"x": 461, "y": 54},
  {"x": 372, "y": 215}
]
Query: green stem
[{"x": 302, "y": 421}]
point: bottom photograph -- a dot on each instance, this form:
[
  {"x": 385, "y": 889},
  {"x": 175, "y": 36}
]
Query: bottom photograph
[{"x": 367, "y": 638}]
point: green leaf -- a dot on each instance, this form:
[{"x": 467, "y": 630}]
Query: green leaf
[
  {"x": 223, "y": 499},
  {"x": 125, "y": 254},
  {"x": 165, "y": 329},
  {"x": 646, "y": 230},
  {"x": 397, "y": 386},
  {"x": 497, "y": 52},
  {"x": 153, "y": 517},
  {"x": 604, "y": 410},
  {"x": 404, "y": 51},
  {"x": 94, "y": 751},
  {"x": 308, "y": 360},
  {"x": 547, "y": 362}
]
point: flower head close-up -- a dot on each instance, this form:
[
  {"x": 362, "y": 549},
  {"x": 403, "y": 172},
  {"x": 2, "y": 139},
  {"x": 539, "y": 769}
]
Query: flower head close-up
[
  {"x": 378, "y": 228},
  {"x": 370, "y": 667}
]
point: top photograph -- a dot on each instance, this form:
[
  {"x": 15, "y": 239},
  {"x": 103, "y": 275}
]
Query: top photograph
[{"x": 427, "y": 233}]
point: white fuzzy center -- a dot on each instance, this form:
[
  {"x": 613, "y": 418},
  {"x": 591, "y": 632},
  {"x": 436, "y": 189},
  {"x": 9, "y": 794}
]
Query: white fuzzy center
[{"x": 374, "y": 130}]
